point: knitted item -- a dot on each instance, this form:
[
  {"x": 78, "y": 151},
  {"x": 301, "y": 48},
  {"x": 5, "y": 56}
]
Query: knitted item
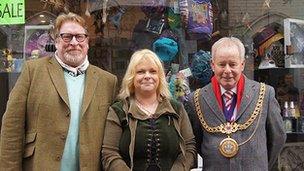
[
  {"x": 165, "y": 48},
  {"x": 153, "y": 8},
  {"x": 169, "y": 34},
  {"x": 179, "y": 87},
  {"x": 172, "y": 86},
  {"x": 197, "y": 17},
  {"x": 200, "y": 67},
  {"x": 174, "y": 20}
]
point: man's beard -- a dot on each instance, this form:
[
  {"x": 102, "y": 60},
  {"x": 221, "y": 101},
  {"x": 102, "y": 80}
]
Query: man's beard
[{"x": 73, "y": 59}]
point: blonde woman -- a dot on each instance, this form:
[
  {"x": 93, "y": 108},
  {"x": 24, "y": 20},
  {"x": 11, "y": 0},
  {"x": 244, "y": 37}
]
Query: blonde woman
[{"x": 146, "y": 130}]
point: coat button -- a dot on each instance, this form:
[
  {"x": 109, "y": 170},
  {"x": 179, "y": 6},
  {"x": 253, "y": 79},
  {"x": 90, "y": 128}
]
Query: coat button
[
  {"x": 67, "y": 114},
  {"x": 62, "y": 137},
  {"x": 58, "y": 158}
]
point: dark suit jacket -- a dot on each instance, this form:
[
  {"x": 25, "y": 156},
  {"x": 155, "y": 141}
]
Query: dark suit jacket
[
  {"x": 36, "y": 122},
  {"x": 261, "y": 151}
]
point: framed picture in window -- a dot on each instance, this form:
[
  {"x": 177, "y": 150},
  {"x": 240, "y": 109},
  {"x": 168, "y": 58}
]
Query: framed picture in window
[
  {"x": 35, "y": 39},
  {"x": 294, "y": 43}
]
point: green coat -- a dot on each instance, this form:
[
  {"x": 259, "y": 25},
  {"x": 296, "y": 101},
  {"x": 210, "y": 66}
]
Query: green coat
[
  {"x": 36, "y": 122},
  {"x": 114, "y": 158}
]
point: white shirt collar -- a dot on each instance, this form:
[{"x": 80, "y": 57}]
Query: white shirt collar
[
  {"x": 224, "y": 90},
  {"x": 81, "y": 68}
]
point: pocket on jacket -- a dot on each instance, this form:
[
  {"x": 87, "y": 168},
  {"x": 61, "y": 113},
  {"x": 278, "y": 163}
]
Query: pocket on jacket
[{"x": 29, "y": 146}]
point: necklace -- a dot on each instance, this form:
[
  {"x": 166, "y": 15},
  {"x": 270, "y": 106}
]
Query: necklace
[
  {"x": 228, "y": 146},
  {"x": 149, "y": 111}
]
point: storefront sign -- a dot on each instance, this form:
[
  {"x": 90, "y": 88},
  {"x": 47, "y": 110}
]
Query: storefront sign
[{"x": 12, "y": 12}]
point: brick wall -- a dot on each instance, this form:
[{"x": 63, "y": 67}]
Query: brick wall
[{"x": 237, "y": 9}]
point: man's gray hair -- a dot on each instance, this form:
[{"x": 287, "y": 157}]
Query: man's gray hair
[{"x": 228, "y": 42}]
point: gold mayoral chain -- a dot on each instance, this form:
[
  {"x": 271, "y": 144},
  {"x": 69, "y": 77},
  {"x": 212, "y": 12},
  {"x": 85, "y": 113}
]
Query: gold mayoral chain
[{"x": 228, "y": 146}]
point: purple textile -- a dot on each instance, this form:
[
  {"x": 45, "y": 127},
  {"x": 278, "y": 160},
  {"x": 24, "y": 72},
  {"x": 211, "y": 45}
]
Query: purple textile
[{"x": 199, "y": 20}]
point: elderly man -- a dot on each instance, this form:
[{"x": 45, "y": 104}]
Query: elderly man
[
  {"x": 236, "y": 121},
  {"x": 56, "y": 112}
]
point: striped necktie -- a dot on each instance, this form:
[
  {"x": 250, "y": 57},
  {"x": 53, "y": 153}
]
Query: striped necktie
[{"x": 229, "y": 98}]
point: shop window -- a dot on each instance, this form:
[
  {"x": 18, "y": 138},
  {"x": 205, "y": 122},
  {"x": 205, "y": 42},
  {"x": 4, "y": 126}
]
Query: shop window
[
  {"x": 294, "y": 43},
  {"x": 119, "y": 27},
  {"x": 3, "y": 38}
]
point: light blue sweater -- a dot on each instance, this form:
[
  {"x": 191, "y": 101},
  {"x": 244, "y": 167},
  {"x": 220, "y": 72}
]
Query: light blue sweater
[{"x": 75, "y": 88}]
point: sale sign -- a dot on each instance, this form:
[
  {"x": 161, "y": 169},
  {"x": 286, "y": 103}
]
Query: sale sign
[{"x": 12, "y": 12}]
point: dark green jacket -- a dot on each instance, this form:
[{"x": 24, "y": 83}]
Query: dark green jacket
[{"x": 114, "y": 158}]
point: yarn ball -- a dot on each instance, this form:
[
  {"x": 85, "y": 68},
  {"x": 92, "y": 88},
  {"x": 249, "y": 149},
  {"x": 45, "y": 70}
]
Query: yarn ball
[
  {"x": 165, "y": 48},
  {"x": 201, "y": 68}
]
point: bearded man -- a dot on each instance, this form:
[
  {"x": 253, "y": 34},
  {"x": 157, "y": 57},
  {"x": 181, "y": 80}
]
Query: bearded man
[{"x": 56, "y": 112}]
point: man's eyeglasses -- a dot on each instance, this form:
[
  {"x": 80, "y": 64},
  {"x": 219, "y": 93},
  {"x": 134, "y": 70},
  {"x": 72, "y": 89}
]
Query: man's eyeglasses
[{"x": 67, "y": 37}]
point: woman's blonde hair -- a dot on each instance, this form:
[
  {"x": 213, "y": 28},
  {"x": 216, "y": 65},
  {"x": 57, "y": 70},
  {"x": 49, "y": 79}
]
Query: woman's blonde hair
[
  {"x": 62, "y": 18},
  {"x": 127, "y": 86}
]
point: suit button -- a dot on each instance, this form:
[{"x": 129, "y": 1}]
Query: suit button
[
  {"x": 67, "y": 114},
  {"x": 62, "y": 137},
  {"x": 58, "y": 158}
]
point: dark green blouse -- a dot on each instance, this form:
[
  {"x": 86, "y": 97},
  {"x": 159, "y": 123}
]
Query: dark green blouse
[{"x": 156, "y": 144}]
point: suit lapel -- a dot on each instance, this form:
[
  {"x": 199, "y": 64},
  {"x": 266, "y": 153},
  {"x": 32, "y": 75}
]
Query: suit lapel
[
  {"x": 56, "y": 74},
  {"x": 249, "y": 91},
  {"x": 90, "y": 86},
  {"x": 209, "y": 97}
]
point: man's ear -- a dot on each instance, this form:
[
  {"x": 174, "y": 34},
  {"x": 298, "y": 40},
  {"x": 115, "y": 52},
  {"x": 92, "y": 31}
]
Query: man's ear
[
  {"x": 212, "y": 65},
  {"x": 243, "y": 65},
  {"x": 88, "y": 40},
  {"x": 56, "y": 42}
]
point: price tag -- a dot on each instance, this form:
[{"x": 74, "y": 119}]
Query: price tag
[{"x": 186, "y": 72}]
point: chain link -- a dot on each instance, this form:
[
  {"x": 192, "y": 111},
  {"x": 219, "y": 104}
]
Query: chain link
[{"x": 228, "y": 128}]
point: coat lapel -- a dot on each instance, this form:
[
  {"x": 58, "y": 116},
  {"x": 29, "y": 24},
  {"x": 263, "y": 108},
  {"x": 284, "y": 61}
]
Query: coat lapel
[
  {"x": 90, "y": 86},
  {"x": 249, "y": 91},
  {"x": 209, "y": 97},
  {"x": 56, "y": 74}
]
